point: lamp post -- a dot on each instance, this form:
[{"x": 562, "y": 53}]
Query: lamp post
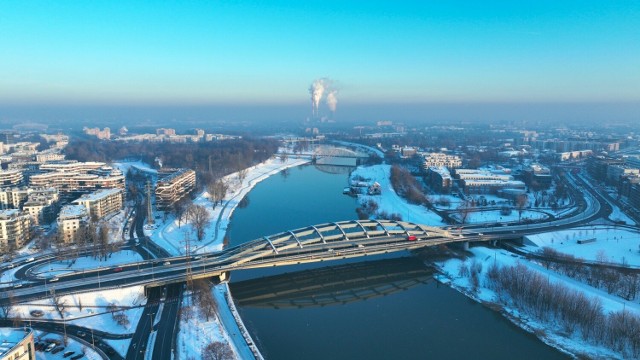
[{"x": 151, "y": 322}]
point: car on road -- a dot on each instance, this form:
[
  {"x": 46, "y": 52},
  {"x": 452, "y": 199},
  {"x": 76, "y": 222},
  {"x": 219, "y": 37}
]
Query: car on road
[
  {"x": 81, "y": 334},
  {"x": 166, "y": 263},
  {"x": 54, "y": 279},
  {"x": 118, "y": 269},
  {"x": 36, "y": 313},
  {"x": 412, "y": 238},
  {"x": 50, "y": 347},
  {"x": 30, "y": 260}
]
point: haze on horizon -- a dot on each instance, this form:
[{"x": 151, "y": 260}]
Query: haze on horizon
[{"x": 453, "y": 59}]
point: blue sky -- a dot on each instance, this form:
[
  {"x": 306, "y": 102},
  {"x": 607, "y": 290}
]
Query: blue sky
[{"x": 217, "y": 52}]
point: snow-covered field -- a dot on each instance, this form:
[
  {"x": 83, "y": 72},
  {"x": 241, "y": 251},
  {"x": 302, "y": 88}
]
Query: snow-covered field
[
  {"x": 614, "y": 245},
  {"x": 391, "y": 202},
  {"x": 89, "y": 309},
  {"x": 62, "y": 267},
  {"x": 494, "y": 216}
]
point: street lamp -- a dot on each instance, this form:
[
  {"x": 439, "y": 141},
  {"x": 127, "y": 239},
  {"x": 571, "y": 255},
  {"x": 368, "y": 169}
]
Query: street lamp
[{"x": 151, "y": 322}]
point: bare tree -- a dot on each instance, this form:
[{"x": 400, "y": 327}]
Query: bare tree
[
  {"x": 58, "y": 303},
  {"x": 199, "y": 217},
  {"x": 242, "y": 174},
  {"x": 8, "y": 306},
  {"x": 464, "y": 209},
  {"x": 179, "y": 209},
  {"x": 217, "y": 351},
  {"x": 521, "y": 203},
  {"x": 218, "y": 190}
]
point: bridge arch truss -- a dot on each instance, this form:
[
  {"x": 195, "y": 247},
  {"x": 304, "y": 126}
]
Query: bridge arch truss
[{"x": 338, "y": 238}]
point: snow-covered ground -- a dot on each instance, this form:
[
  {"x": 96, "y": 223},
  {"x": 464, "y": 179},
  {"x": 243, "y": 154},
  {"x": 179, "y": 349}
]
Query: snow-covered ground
[
  {"x": 62, "y": 267},
  {"x": 391, "y": 202},
  {"x": 553, "y": 334},
  {"x": 90, "y": 309},
  {"x": 72, "y": 345},
  {"x": 613, "y": 245},
  {"x": 494, "y": 216},
  {"x": 170, "y": 234}
]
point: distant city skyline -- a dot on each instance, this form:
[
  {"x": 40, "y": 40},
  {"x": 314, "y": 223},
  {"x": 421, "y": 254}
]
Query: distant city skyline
[{"x": 247, "y": 53}]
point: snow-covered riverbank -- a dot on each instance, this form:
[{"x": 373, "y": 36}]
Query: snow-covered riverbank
[{"x": 614, "y": 245}]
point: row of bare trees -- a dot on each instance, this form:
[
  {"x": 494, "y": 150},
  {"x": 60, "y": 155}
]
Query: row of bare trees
[
  {"x": 576, "y": 313},
  {"x": 407, "y": 186},
  {"x": 625, "y": 285}
]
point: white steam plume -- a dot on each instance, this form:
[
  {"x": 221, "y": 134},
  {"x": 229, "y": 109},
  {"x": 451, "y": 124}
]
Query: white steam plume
[
  {"x": 332, "y": 100},
  {"x": 317, "y": 91}
]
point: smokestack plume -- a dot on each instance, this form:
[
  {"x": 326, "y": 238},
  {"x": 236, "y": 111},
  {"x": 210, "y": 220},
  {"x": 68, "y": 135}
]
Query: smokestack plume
[
  {"x": 317, "y": 91},
  {"x": 332, "y": 101}
]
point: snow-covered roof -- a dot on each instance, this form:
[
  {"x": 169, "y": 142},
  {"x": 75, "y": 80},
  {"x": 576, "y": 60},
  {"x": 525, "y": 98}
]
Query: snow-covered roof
[
  {"x": 97, "y": 195},
  {"x": 442, "y": 170},
  {"x": 9, "y": 338},
  {"x": 71, "y": 211}
]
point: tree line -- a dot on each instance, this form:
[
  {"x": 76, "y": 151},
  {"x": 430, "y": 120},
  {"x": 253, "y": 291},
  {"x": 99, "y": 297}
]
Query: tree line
[
  {"x": 407, "y": 186},
  {"x": 217, "y": 158},
  {"x": 576, "y": 313}
]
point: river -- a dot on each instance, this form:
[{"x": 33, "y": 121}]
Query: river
[{"x": 407, "y": 315}]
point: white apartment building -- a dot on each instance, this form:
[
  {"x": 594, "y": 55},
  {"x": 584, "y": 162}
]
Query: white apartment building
[
  {"x": 101, "y": 203},
  {"x": 14, "y": 229},
  {"x": 442, "y": 160},
  {"x": 71, "y": 219},
  {"x": 174, "y": 187},
  {"x": 40, "y": 204}
]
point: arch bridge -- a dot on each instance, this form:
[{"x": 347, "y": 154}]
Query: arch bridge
[{"x": 335, "y": 240}]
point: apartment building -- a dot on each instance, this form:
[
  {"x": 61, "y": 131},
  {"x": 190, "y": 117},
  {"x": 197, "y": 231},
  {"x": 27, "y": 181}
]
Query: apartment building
[
  {"x": 439, "y": 179},
  {"x": 17, "y": 344},
  {"x": 10, "y": 178},
  {"x": 442, "y": 160},
  {"x": 101, "y": 203},
  {"x": 41, "y": 205},
  {"x": 173, "y": 187},
  {"x": 14, "y": 228},
  {"x": 72, "y": 218}
]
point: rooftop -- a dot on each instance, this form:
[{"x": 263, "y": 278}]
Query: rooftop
[{"x": 9, "y": 338}]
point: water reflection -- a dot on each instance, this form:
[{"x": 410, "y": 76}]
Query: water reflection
[{"x": 333, "y": 285}]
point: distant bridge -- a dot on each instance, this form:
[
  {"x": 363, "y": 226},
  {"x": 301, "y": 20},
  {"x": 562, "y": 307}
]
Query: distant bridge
[{"x": 332, "y": 155}]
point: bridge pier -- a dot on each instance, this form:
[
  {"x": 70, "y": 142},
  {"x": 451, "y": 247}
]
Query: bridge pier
[{"x": 465, "y": 246}]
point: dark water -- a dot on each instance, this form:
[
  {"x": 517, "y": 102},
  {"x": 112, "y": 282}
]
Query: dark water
[{"x": 422, "y": 321}]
